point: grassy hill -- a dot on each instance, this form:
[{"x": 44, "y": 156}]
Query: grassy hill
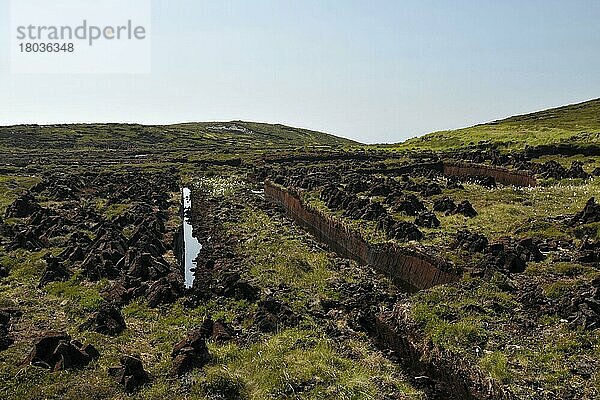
[
  {"x": 576, "y": 124},
  {"x": 223, "y": 136}
]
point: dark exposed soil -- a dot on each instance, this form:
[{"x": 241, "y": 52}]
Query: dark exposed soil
[
  {"x": 56, "y": 351},
  {"x": 129, "y": 244},
  {"x": 130, "y": 374}
]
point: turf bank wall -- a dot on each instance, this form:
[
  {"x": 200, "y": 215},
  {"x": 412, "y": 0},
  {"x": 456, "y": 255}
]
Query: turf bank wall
[
  {"x": 405, "y": 265},
  {"x": 501, "y": 175}
]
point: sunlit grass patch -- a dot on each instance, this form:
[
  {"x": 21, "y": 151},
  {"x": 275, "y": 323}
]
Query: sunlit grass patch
[{"x": 297, "y": 363}]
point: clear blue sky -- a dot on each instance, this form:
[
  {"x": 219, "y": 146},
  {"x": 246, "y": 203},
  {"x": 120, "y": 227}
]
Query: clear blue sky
[{"x": 373, "y": 70}]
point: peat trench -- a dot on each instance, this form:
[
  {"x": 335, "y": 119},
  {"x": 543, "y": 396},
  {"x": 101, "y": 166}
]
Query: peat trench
[
  {"x": 191, "y": 246},
  {"x": 411, "y": 269},
  {"x": 408, "y": 267}
]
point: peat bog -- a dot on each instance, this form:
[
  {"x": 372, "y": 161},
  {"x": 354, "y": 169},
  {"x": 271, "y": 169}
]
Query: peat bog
[{"x": 326, "y": 268}]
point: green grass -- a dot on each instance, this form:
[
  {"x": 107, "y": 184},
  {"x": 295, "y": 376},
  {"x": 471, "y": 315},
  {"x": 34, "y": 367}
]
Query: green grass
[
  {"x": 84, "y": 297},
  {"x": 481, "y": 322},
  {"x": 25, "y": 267},
  {"x": 230, "y": 139},
  {"x": 455, "y": 316},
  {"x": 496, "y": 364},
  {"x": 502, "y": 211},
  {"x": 275, "y": 252},
  {"x": 10, "y": 188},
  {"x": 514, "y": 211},
  {"x": 115, "y": 210},
  {"x": 299, "y": 364},
  {"x": 576, "y": 124},
  {"x": 273, "y": 259}
]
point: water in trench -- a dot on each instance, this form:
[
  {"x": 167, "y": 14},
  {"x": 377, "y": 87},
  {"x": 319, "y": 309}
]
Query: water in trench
[{"x": 191, "y": 245}]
